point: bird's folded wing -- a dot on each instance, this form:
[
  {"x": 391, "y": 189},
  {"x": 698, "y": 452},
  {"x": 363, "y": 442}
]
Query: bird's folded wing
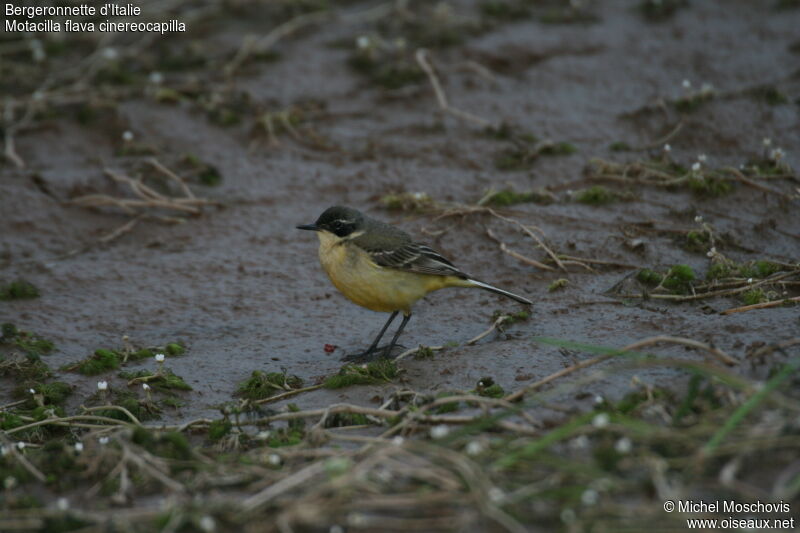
[{"x": 414, "y": 257}]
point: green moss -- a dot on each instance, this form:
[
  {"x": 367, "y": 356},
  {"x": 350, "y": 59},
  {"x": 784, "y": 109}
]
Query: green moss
[
  {"x": 206, "y": 174},
  {"x": 508, "y": 197},
  {"x": 693, "y": 102},
  {"x": 18, "y": 290},
  {"x": 596, "y": 195},
  {"x": 559, "y": 148},
  {"x": 285, "y": 437},
  {"x": 168, "y": 444},
  {"x": 504, "y": 10},
  {"x": 389, "y": 72},
  {"x": 488, "y": 388},
  {"x": 720, "y": 270},
  {"x": 619, "y": 146},
  {"x": 100, "y": 361},
  {"x": 262, "y": 385},
  {"x": 138, "y": 355},
  {"x": 31, "y": 344},
  {"x": 424, "y": 352},
  {"x": 346, "y": 419},
  {"x": 649, "y": 277},
  {"x": 174, "y": 349},
  {"x": 219, "y": 428},
  {"x": 447, "y": 407},
  {"x": 765, "y": 268},
  {"x": 379, "y": 371},
  {"x": 769, "y": 94},
  {"x": 557, "y": 284},
  {"x": 679, "y": 279},
  {"x": 9, "y": 420},
  {"x": 658, "y": 10},
  {"x": 54, "y": 393},
  {"x": 754, "y": 296},
  {"x": 711, "y": 186},
  {"x": 27, "y": 369},
  {"x": 697, "y": 241}
]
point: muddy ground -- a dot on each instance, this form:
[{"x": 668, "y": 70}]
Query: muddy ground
[{"x": 243, "y": 290}]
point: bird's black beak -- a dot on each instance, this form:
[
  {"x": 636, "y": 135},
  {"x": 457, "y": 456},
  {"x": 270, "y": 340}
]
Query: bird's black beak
[{"x": 311, "y": 227}]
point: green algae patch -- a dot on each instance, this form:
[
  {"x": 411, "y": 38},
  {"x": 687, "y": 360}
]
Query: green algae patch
[
  {"x": 100, "y": 361},
  {"x": 31, "y": 344},
  {"x": 599, "y": 195},
  {"x": 18, "y": 290},
  {"x": 163, "y": 380},
  {"x": 679, "y": 279},
  {"x": 508, "y": 197},
  {"x": 511, "y": 318},
  {"x": 649, "y": 277},
  {"x": 379, "y": 371},
  {"x": 488, "y": 388},
  {"x": 557, "y": 285},
  {"x": 261, "y": 385}
]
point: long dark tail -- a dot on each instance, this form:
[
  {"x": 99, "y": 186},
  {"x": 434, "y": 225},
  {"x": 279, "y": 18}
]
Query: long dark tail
[{"x": 482, "y": 285}]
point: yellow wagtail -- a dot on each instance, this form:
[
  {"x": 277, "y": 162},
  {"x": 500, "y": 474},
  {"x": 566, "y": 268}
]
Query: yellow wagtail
[{"x": 380, "y": 267}]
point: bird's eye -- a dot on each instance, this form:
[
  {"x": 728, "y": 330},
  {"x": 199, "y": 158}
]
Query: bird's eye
[{"x": 337, "y": 224}]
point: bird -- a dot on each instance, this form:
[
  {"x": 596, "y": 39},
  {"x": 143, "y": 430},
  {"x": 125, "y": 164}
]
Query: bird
[{"x": 380, "y": 267}]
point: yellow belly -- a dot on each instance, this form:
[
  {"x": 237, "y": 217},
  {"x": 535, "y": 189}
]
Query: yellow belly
[{"x": 362, "y": 281}]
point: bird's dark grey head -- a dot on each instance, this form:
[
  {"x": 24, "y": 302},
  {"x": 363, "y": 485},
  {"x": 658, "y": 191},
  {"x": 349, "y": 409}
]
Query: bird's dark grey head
[{"x": 339, "y": 220}]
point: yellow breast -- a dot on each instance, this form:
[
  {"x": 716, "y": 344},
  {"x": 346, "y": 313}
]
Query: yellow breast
[{"x": 369, "y": 285}]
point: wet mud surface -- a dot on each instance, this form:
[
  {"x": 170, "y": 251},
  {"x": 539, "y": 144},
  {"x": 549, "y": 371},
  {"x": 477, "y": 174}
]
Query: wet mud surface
[{"x": 243, "y": 290}]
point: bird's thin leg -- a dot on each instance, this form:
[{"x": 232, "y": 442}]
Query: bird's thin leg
[
  {"x": 366, "y": 355},
  {"x": 388, "y": 350}
]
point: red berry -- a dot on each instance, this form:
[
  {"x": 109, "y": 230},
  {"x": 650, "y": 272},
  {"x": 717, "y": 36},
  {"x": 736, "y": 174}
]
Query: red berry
[{"x": 329, "y": 348}]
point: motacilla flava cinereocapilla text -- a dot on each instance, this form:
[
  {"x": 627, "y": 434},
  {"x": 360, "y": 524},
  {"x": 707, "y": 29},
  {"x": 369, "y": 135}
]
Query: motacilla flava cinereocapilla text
[{"x": 380, "y": 267}]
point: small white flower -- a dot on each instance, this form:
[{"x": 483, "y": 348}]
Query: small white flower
[
  {"x": 208, "y": 524},
  {"x": 440, "y": 431},
  {"x": 698, "y": 219},
  {"x": 145, "y": 386},
  {"x": 695, "y": 166},
  {"x": 32, "y": 391},
  {"x": 274, "y": 459},
  {"x": 589, "y": 497},
  {"x": 102, "y": 385},
  {"x": 38, "y": 96},
  {"x": 474, "y": 447},
  {"x": 20, "y": 445},
  {"x": 623, "y": 445},
  {"x": 127, "y": 136},
  {"x": 598, "y": 399},
  {"x": 398, "y": 440},
  {"x": 496, "y": 495},
  {"x": 79, "y": 447},
  {"x": 3, "y": 451},
  {"x": 103, "y": 440},
  {"x": 62, "y": 504},
  {"x": 159, "y": 357},
  {"x": 667, "y": 148},
  {"x": 156, "y": 78},
  {"x": 568, "y": 516},
  {"x": 749, "y": 280},
  {"x": 601, "y": 420},
  {"x": 10, "y": 482},
  {"x": 702, "y": 158},
  {"x": 766, "y": 141},
  {"x": 110, "y": 53},
  {"x": 686, "y": 84},
  {"x": 362, "y": 42},
  {"x": 712, "y": 252},
  {"x": 706, "y": 88},
  {"x": 777, "y": 154}
]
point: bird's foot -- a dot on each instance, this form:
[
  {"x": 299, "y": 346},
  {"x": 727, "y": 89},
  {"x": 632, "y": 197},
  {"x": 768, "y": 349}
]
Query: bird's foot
[{"x": 381, "y": 352}]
